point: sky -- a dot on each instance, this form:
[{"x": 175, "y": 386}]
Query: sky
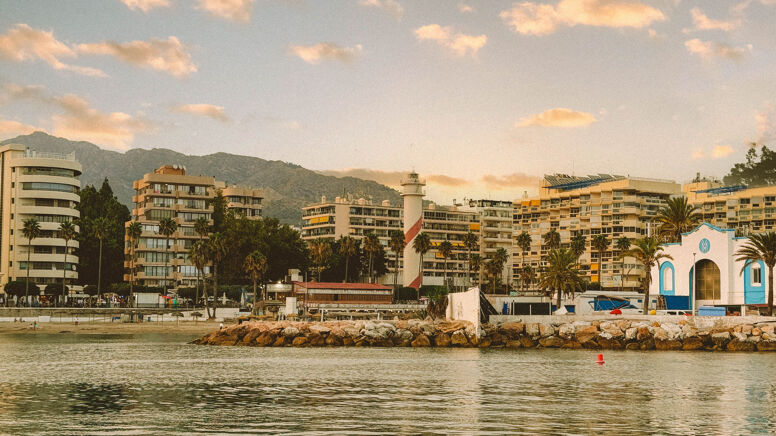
[{"x": 482, "y": 98}]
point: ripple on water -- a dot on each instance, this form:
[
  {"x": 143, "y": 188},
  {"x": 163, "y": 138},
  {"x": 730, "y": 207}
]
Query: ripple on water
[{"x": 141, "y": 385}]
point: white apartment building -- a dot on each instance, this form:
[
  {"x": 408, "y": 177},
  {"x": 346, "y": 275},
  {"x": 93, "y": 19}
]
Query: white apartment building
[
  {"x": 44, "y": 186},
  {"x": 346, "y": 216},
  {"x": 614, "y": 206}
]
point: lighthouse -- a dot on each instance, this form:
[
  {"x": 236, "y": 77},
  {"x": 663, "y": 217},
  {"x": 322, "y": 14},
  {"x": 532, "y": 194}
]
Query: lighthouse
[{"x": 412, "y": 192}]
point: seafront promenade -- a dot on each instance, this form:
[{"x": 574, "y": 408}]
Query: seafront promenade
[{"x": 664, "y": 333}]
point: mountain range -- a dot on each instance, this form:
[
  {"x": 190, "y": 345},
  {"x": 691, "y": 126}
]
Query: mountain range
[{"x": 287, "y": 187}]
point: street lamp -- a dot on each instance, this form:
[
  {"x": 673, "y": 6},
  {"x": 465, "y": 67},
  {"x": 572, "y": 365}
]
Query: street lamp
[{"x": 692, "y": 287}]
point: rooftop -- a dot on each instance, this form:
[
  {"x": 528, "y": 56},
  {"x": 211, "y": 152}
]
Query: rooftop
[{"x": 335, "y": 285}]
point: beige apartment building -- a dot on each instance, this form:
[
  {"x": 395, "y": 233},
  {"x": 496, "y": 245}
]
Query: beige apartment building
[
  {"x": 747, "y": 210},
  {"x": 346, "y": 216},
  {"x": 169, "y": 192},
  {"x": 614, "y": 206},
  {"x": 43, "y": 186}
]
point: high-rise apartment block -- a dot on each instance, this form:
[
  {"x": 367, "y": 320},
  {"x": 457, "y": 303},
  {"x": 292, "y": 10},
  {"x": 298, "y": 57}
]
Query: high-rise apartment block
[
  {"x": 43, "y": 186},
  {"x": 614, "y": 206},
  {"x": 747, "y": 210},
  {"x": 169, "y": 192}
]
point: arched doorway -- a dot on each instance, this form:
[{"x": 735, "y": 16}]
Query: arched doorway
[{"x": 707, "y": 281}]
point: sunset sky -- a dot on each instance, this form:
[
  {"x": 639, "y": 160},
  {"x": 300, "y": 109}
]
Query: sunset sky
[{"x": 480, "y": 97}]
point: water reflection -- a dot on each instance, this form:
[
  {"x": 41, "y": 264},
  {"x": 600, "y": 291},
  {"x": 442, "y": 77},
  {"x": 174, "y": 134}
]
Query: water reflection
[{"x": 58, "y": 385}]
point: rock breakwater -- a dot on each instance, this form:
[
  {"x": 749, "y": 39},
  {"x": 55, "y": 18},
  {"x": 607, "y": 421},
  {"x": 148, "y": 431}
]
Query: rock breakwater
[{"x": 612, "y": 335}]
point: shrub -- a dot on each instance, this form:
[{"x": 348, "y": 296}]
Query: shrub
[
  {"x": 16, "y": 288},
  {"x": 53, "y": 289},
  {"x": 406, "y": 293},
  {"x": 90, "y": 290}
]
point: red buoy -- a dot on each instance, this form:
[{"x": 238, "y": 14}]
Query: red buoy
[{"x": 600, "y": 360}]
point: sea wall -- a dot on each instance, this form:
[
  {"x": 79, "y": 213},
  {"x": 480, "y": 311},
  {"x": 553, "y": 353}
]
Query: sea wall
[{"x": 617, "y": 334}]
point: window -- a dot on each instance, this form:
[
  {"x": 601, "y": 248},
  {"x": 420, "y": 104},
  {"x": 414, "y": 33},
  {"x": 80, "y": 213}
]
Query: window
[
  {"x": 668, "y": 279},
  {"x": 39, "y": 186},
  {"x": 757, "y": 275},
  {"x": 42, "y": 171}
]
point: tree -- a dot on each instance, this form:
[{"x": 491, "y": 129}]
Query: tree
[
  {"x": 216, "y": 250},
  {"x": 437, "y": 300},
  {"x": 446, "y": 250},
  {"x": 476, "y": 266},
  {"x": 320, "y": 250},
  {"x": 494, "y": 268},
  {"x": 501, "y": 256},
  {"x": 347, "y": 248},
  {"x": 552, "y": 239},
  {"x": 753, "y": 172},
  {"x": 30, "y": 230},
  {"x": 68, "y": 233},
  {"x": 101, "y": 231},
  {"x": 220, "y": 212},
  {"x": 600, "y": 243},
  {"x": 371, "y": 246},
  {"x": 561, "y": 275},
  {"x": 527, "y": 274},
  {"x": 421, "y": 245},
  {"x": 199, "y": 256},
  {"x": 201, "y": 227},
  {"x": 677, "y": 217},
  {"x": 648, "y": 252},
  {"x": 397, "y": 244},
  {"x": 622, "y": 244},
  {"x": 523, "y": 241},
  {"x": 134, "y": 230},
  {"x": 578, "y": 244},
  {"x": 760, "y": 247},
  {"x": 470, "y": 241},
  {"x": 94, "y": 204},
  {"x": 167, "y": 227},
  {"x": 17, "y": 288},
  {"x": 255, "y": 265}
]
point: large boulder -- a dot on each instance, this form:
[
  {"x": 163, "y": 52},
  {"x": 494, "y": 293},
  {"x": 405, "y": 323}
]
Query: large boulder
[
  {"x": 551, "y": 342},
  {"x": 513, "y": 343},
  {"x": 459, "y": 339},
  {"x": 290, "y": 332},
  {"x": 720, "y": 339},
  {"x": 566, "y": 331},
  {"x": 421, "y": 341},
  {"x": 630, "y": 334},
  {"x": 766, "y": 346},
  {"x": 320, "y": 329},
  {"x": 299, "y": 341},
  {"x": 546, "y": 329},
  {"x": 672, "y": 330},
  {"x": 740, "y": 346},
  {"x": 512, "y": 330},
  {"x": 527, "y": 342},
  {"x": 668, "y": 344},
  {"x": 264, "y": 339},
  {"x": 532, "y": 329},
  {"x": 442, "y": 340},
  {"x": 692, "y": 343}
]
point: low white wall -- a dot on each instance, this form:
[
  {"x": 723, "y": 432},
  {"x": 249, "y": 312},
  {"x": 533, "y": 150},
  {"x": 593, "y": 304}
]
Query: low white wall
[
  {"x": 464, "y": 306},
  {"x": 699, "y": 321}
]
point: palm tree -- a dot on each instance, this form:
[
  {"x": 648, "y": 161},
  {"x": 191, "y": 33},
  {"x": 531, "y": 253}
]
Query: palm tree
[
  {"x": 677, "y": 217},
  {"x": 527, "y": 274},
  {"x": 397, "y": 244},
  {"x": 320, "y": 250},
  {"x": 202, "y": 227},
  {"x": 476, "y": 265},
  {"x": 347, "y": 248},
  {"x": 199, "y": 255},
  {"x": 30, "y": 230},
  {"x": 494, "y": 268},
  {"x": 501, "y": 256},
  {"x": 762, "y": 247},
  {"x": 523, "y": 241},
  {"x": 101, "y": 230},
  {"x": 600, "y": 243},
  {"x": 167, "y": 226},
  {"x": 134, "y": 230},
  {"x": 552, "y": 239},
  {"x": 421, "y": 245},
  {"x": 562, "y": 274},
  {"x": 622, "y": 244},
  {"x": 371, "y": 247},
  {"x": 648, "y": 252},
  {"x": 446, "y": 250},
  {"x": 68, "y": 233},
  {"x": 578, "y": 244},
  {"x": 470, "y": 241},
  {"x": 255, "y": 265},
  {"x": 216, "y": 251}
]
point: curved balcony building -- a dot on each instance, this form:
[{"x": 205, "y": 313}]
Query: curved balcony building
[{"x": 44, "y": 186}]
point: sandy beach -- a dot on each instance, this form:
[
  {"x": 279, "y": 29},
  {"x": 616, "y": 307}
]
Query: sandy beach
[{"x": 115, "y": 328}]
